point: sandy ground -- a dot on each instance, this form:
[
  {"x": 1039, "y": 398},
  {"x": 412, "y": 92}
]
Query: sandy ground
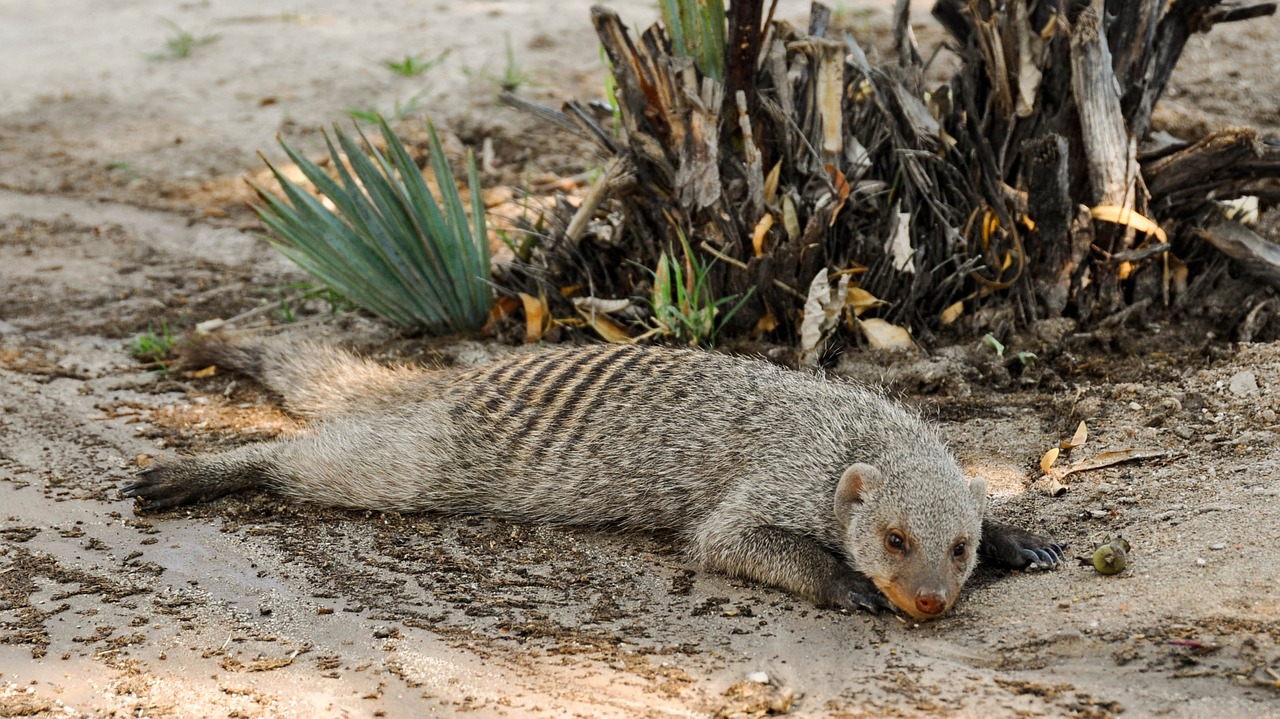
[{"x": 121, "y": 209}]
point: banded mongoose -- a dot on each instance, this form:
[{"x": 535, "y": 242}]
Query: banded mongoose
[{"x": 817, "y": 486}]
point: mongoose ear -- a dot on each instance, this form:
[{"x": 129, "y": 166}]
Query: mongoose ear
[
  {"x": 855, "y": 480},
  {"x": 978, "y": 489}
]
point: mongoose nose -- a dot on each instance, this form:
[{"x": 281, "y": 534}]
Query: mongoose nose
[{"x": 930, "y": 603}]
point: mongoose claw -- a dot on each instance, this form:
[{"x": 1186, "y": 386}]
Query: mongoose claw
[
  {"x": 1048, "y": 557},
  {"x": 1015, "y": 548},
  {"x": 873, "y": 603}
]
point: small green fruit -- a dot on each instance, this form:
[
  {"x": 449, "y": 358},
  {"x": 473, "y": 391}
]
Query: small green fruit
[{"x": 1111, "y": 557}]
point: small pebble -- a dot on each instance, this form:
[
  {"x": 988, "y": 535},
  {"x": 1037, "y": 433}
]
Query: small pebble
[
  {"x": 1183, "y": 432},
  {"x": 1268, "y": 416},
  {"x": 758, "y": 677},
  {"x": 1200, "y": 562},
  {"x": 1135, "y": 406},
  {"x": 1217, "y": 547},
  {"x": 1243, "y": 384}
]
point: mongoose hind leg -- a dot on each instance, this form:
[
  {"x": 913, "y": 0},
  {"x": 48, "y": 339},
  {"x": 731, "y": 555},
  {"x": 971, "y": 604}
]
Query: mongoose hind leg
[
  {"x": 791, "y": 561},
  {"x": 1015, "y": 548},
  {"x": 191, "y": 480}
]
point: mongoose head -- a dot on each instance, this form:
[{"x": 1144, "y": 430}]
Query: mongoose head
[{"x": 915, "y": 536}]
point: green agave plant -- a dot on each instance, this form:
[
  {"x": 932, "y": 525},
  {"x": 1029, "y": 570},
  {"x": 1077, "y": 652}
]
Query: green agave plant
[{"x": 388, "y": 245}]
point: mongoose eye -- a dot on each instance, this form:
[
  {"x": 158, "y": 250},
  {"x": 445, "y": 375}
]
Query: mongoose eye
[
  {"x": 895, "y": 542},
  {"x": 960, "y": 550}
]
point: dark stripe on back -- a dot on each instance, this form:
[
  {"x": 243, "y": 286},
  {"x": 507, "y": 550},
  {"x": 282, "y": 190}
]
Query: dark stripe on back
[
  {"x": 583, "y": 366},
  {"x": 564, "y": 398},
  {"x": 574, "y": 416},
  {"x": 483, "y": 390}
]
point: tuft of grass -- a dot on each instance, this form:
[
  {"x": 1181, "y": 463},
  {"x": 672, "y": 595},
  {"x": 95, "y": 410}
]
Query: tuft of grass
[
  {"x": 154, "y": 346},
  {"x": 180, "y": 43},
  {"x": 513, "y": 76},
  {"x": 611, "y": 91},
  {"x": 683, "y": 306},
  {"x": 697, "y": 29},
  {"x": 387, "y": 245},
  {"x": 414, "y": 65},
  {"x": 291, "y": 296},
  {"x": 399, "y": 111}
]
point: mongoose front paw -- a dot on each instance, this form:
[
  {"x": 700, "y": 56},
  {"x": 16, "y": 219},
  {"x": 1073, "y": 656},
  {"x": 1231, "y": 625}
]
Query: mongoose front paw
[
  {"x": 1019, "y": 549},
  {"x": 866, "y": 602},
  {"x": 856, "y": 594}
]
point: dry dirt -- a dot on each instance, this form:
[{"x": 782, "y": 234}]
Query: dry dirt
[{"x": 121, "y": 211}]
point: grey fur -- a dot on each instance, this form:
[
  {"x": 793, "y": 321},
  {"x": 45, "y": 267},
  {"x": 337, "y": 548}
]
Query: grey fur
[{"x": 740, "y": 458}]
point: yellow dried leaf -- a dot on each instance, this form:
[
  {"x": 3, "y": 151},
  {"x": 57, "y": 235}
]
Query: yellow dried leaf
[
  {"x": 209, "y": 371},
  {"x": 768, "y": 323},
  {"x": 861, "y": 300},
  {"x": 1046, "y": 462},
  {"x": 952, "y": 313},
  {"x": 1126, "y": 216},
  {"x": 771, "y": 183},
  {"x": 1077, "y": 439},
  {"x": 882, "y": 335},
  {"x": 790, "y": 220},
  {"x": 535, "y": 317},
  {"x": 761, "y": 231},
  {"x": 603, "y": 326}
]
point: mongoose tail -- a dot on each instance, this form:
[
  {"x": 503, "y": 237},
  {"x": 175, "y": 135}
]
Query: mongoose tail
[
  {"x": 314, "y": 379},
  {"x": 822, "y": 488}
]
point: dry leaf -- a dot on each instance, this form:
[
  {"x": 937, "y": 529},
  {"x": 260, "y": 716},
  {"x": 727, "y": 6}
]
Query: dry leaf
[
  {"x": 204, "y": 328},
  {"x": 767, "y": 323},
  {"x": 1127, "y": 216},
  {"x": 790, "y": 220},
  {"x": 952, "y": 313},
  {"x": 841, "y": 184},
  {"x": 536, "y": 315},
  {"x": 761, "y": 231},
  {"x": 1046, "y": 462},
  {"x": 822, "y": 311},
  {"x": 503, "y": 306},
  {"x": 882, "y": 335},
  {"x": 605, "y": 327},
  {"x": 1077, "y": 439},
  {"x": 1050, "y": 486},
  {"x": 1242, "y": 209},
  {"x": 898, "y": 246},
  {"x": 209, "y": 371},
  {"x": 1029, "y": 75},
  {"x": 1106, "y": 459},
  {"x": 594, "y": 311},
  {"x": 861, "y": 300},
  {"x": 771, "y": 183},
  {"x": 597, "y": 304}
]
